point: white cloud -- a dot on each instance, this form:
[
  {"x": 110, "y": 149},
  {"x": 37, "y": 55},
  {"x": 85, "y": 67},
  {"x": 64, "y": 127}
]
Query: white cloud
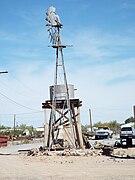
[
  {"x": 103, "y": 74},
  {"x": 94, "y": 90},
  {"x": 27, "y": 84}
]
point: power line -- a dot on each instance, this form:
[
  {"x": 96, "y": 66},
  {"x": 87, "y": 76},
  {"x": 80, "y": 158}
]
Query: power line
[
  {"x": 10, "y": 114},
  {"x": 26, "y": 86},
  {"x": 18, "y": 103}
]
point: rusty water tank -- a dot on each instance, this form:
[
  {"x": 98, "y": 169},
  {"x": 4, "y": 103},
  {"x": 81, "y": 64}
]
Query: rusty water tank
[{"x": 61, "y": 91}]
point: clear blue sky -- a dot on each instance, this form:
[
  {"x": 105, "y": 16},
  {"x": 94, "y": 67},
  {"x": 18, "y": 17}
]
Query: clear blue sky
[{"x": 100, "y": 64}]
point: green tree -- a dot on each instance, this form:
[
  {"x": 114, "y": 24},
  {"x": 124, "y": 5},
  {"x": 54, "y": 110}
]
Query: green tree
[
  {"x": 113, "y": 125},
  {"x": 4, "y": 127},
  {"x": 130, "y": 119},
  {"x": 85, "y": 128},
  {"x": 23, "y": 127},
  {"x": 98, "y": 124}
]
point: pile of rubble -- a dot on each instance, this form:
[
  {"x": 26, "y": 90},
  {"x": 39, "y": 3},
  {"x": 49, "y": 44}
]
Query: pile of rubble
[
  {"x": 95, "y": 149},
  {"x": 79, "y": 153},
  {"x": 38, "y": 152},
  {"x": 103, "y": 150}
]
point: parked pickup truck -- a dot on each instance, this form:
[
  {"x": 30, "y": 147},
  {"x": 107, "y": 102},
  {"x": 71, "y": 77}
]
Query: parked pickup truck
[
  {"x": 103, "y": 133},
  {"x": 127, "y": 131}
]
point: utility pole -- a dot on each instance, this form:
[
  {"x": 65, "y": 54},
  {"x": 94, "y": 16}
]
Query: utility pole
[
  {"x": 134, "y": 114},
  {"x": 2, "y": 72},
  {"x": 90, "y": 120},
  {"x": 14, "y": 123}
]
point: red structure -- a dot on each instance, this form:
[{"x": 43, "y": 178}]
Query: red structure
[{"x": 3, "y": 141}]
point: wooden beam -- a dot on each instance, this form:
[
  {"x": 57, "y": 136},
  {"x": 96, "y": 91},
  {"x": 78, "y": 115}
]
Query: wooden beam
[
  {"x": 60, "y": 112},
  {"x": 60, "y": 117},
  {"x": 76, "y": 127},
  {"x": 49, "y": 133},
  {"x": 79, "y": 129}
]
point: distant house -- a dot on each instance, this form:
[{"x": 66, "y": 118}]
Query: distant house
[
  {"x": 40, "y": 129},
  {"x": 26, "y": 132}
]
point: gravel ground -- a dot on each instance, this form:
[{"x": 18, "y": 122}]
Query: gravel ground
[{"x": 16, "y": 166}]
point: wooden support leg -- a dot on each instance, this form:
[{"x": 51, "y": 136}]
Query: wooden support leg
[
  {"x": 76, "y": 127},
  {"x": 79, "y": 128},
  {"x": 49, "y": 133}
]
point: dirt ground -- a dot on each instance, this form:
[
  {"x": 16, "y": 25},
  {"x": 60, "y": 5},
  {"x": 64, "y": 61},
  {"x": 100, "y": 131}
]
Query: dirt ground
[{"x": 22, "y": 167}]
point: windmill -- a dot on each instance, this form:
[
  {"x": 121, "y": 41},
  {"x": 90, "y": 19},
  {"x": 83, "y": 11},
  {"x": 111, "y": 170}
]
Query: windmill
[{"x": 65, "y": 109}]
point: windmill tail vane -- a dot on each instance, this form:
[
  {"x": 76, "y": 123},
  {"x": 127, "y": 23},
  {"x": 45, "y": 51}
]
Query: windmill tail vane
[{"x": 52, "y": 35}]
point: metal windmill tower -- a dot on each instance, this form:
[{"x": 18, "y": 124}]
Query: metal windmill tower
[{"x": 62, "y": 102}]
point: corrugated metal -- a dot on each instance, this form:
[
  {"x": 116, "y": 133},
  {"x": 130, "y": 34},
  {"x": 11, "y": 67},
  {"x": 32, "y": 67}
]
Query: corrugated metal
[{"x": 61, "y": 92}]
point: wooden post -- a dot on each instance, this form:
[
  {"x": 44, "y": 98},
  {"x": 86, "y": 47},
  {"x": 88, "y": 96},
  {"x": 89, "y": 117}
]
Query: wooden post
[
  {"x": 76, "y": 126},
  {"x": 45, "y": 129},
  {"x": 14, "y": 123},
  {"x": 49, "y": 131},
  {"x": 90, "y": 120},
  {"x": 134, "y": 115},
  {"x": 79, "y": 128}
]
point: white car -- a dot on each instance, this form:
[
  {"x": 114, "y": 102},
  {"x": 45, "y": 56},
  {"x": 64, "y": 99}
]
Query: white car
[
  {"x": 127, "y": 130},
  {"x": 103, "y": 133}
]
